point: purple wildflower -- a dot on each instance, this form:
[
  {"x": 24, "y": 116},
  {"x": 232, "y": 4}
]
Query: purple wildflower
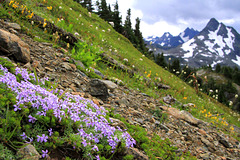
[
  {"x": 16, "y": 108},
  {"x": 95, "y": 148},
  {"x": 50, "y": 131},
  {"x": 97, "y": 156},
  {"x": 24, "y": 136},
  {"x": 42, "y": 139},
  {"x": 44, "y": 155},
  {"x": 31, "y": 119}
]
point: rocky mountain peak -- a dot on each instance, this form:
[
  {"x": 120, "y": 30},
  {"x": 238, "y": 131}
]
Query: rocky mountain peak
[{"x": 212, "y": 25}]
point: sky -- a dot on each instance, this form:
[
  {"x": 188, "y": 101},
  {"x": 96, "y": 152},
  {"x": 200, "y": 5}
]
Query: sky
[{"x": 174, "y": 16}]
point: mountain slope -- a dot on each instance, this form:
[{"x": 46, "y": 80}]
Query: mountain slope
[
  {"x": 216, "y": 43},
  {"x": 168, "y": 41},
  {"x": 137, "y": 101}
]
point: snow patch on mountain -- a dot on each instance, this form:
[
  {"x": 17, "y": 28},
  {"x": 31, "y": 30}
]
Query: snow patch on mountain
[
  {"x": 183, "y": 37},
  {"x": 230, "y": 40},
  {"x": 189, "y": 47},
  {"x": 215, "y": 63},
  {"x": 200, "y": 37},
  {"x": 237, "y": 61}
]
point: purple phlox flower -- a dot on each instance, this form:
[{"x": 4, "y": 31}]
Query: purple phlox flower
[
  {"x": 50, "y": 131},
  {"x": 84, "y": 143},
  {"x": 16, "y": 108},
  {"x": 97, "y": 156},
  {"x": 95, "y": 148},
  {"x": 44, "y": 155},
  {"x": 31, "y": 119},
  {"x": 42, "y": 139},
  {"x": 24, "y": 136}
]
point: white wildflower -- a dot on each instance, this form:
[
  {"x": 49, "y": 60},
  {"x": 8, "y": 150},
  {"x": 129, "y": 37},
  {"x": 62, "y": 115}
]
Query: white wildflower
[
  {"x": 115, "y": 50},
  {"x": 76, "y": 34},
  {"x": 103, "y": 30},
  {"x": 216, "y": 91},
  {"x": 230, "y": 103},
  {"x": 211, "y": 90},
  {"x": 110, "y": 50},
  {"x": 90, "y": 25},
  {"x": 80, "y": 15},
  {"x": 90, "y": 14},
  {"x": 60, "y": 7},
  {"x": 109, "y": 30},
  {"x": 143, "y": 55},
  {"x": 133, "y": 66},
  {"x": 70, "y": 8},
  {"x": 141, "y": 59},
  {"x": 236, "y": 96},
  {"x": 96, "y": 28},
  {"x": 169, "y": 59},
  {"x": 32, "y": 22},
  {"x": 125, "y": 59}
]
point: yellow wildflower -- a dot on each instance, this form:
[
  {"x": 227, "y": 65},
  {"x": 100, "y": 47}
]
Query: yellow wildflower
[
  {"x": 184, "y": 97},
  {"x": 10, "y": 3},
  {"x": 49, "y": 8},
  {"x": 44, "y": 24},
  {"x": 14, "y": 6}
]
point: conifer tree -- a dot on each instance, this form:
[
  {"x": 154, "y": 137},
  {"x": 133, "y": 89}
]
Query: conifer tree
[
  {"x": 128, "y": 31},
  {"x": 160, "y": 60},
  {"x": 117, "y": 19},
  {"x": 139, "y": 38}
]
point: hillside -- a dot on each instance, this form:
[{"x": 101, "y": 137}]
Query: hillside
[{"x": 164, "y": 116}]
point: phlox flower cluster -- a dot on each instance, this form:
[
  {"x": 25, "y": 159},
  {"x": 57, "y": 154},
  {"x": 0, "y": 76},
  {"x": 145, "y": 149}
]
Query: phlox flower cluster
[{"x": 64, "y": 105}]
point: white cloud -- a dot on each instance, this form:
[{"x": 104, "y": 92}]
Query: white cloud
[{"x": 159, "y": 28}]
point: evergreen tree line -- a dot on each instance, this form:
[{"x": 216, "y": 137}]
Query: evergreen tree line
[{"x": 105, "y": 12}]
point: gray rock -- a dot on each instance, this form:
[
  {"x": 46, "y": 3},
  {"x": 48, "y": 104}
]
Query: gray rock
[
  {"x": 79, "y": 63},
  {"x": 169, "y": 99},
  {"x": 163, "y": 86},
  {"x": 12, "y": 45},
  {"x": 224, "y": 142},
  {"x": 97, "y": 72},
  {"x": 66, "y": 65},
  {"x": 13, "y": 25},
  {"x": 110, "y": 85},
  {"x": 98, "y": 89},
  {"x": 28, "y": 152}
]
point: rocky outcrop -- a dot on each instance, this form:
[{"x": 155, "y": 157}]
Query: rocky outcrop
[{"x": 12, "y": 45}]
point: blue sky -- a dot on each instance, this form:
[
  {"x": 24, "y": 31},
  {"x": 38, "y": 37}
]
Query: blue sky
[{"x": 174, "y": 16}]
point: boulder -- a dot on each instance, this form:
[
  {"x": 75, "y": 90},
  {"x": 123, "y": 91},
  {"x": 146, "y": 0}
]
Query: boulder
[
  {"x": 12, "y": 45},
  {"x": 184, "y": 115},
  {"x": 28, "y": 152},
  {"x": 98, "y": 89},
  {"x": 110, "y": 85}
]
